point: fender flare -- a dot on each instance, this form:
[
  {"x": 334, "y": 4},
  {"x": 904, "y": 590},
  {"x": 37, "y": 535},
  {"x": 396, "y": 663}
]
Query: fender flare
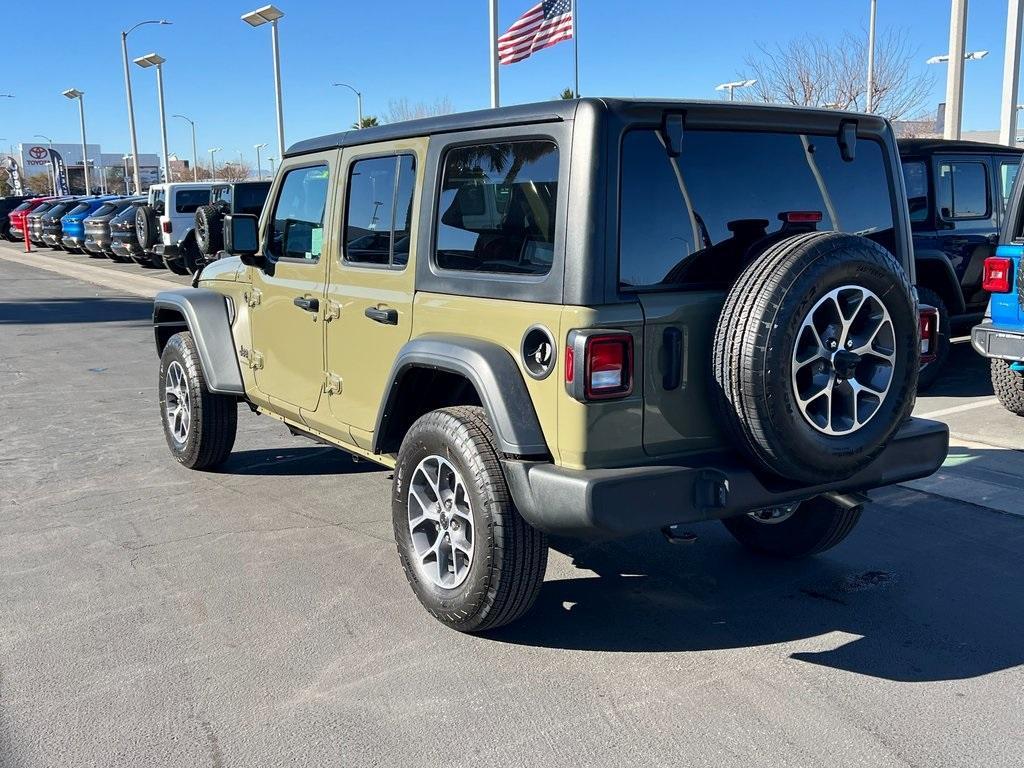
[
  {"x": 205, "y": 314},
  {"x": 948, "y": 275},
  {"x": 493, "y": 373}
]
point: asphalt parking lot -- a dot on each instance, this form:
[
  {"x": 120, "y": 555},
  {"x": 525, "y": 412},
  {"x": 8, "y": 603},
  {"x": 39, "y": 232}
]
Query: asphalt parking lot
[{"x": 259, "y": 616}]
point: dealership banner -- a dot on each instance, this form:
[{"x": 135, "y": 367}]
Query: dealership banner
[
  {"x": 60, "y": 173},
  {"x": 17, "y": 188}
]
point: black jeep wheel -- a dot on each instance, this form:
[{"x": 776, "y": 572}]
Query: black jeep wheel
[
  {"x": 471, "y": 559},
  {"x": 146, "y": 226},
  {"x": 815, "y": 356},
  {"x": 199, "y": 425},
  {"x": 930, "y": 371},
  {"x": 1008, "y": 385},
  {"x": 803, "y": 529},
  {"x": 209, "y": 230}
]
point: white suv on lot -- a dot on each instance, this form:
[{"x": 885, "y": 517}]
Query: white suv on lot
[{"x": 165, "y": 225}]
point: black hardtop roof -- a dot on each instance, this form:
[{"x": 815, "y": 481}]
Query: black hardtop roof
[
  {"x": 550, "y": 111},
  {"x": 927, "y": 146}
]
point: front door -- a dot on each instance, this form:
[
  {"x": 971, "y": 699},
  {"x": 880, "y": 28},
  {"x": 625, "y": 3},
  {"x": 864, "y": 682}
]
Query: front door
[
  {"x": 287, "y": 330},
  {"x": 371, "y": 288}
]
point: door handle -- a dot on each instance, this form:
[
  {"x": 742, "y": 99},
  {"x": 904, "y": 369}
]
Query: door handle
[
  {"x": 310, "y": 305},
  {"x": 384, "y": 316},
  {"x": 672, "y": 340}
]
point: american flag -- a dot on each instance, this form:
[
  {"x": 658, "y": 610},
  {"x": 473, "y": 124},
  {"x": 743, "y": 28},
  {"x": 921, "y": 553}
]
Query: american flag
[{"x": 547, "y": 23}]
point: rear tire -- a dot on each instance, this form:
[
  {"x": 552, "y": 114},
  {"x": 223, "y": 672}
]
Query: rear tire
[
  {"x": 209, "y": 230},
  {"x": 816, "y": 525},
  {"x": 1008, "y": 385},
  {"x": 199, "y": 426},
  {"x": 930, "y": 371},
  {"x": 498, "y": 580},
  {"x": 146, "y": 227}
]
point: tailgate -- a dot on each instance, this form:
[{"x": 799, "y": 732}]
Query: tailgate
[{"x": 1006, "y": 307}]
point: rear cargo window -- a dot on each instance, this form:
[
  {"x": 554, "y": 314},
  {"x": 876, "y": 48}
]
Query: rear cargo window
[
  {"x": 697, "y": 220},
  {"x": 962, "y": 190},
  {"x": 190, "y": 200},
  {"x": 497, "y": 208},
  {"x": 915, "y": 179}
]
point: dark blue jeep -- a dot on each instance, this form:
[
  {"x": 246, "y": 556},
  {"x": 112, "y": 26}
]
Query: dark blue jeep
[
  {"x": 1000, "y": 336},
  {"x": 957, "y": 193}
]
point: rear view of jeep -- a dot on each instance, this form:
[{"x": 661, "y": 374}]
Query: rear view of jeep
[{"x": 587, "y": 318}]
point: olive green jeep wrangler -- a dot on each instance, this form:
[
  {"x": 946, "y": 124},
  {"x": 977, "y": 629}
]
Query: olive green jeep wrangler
[{"x": 583, "y": 318}]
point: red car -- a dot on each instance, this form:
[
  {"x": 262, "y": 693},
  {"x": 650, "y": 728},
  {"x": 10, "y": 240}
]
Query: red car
[{"x": 17, "y": 216}]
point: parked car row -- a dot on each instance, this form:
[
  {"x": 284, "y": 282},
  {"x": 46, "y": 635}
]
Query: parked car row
[{"x": 178, "y": 226}]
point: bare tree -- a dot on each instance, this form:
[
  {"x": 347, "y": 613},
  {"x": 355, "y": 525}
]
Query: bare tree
[
  {"x": 38, "y": 184},
  {"x": 234, "y": 172},
  {"x": 810, "y": 71},
  {"x": 401, "y": 109}
]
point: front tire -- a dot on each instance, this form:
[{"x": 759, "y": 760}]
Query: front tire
[
  {"x": 1008, "y": 385},
  {"x": 473, "y": 562},
  {"x": 814, "y": 526},
  {"x": 199, "y": 426}
]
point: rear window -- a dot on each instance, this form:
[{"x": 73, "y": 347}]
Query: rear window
[
  {"x": 1007, "y": 175},
  {"x": 497, "y": 209},
  {"x": 24, "y": 207},
  {"x": 915, "y": 179},
  {"x": 696, "y": 220},
  {"x": 961, "y": 190},
  {"x": 190, "y": 200},
  {"x": 80, "y": 208},
  {"x": 249, "y": 198},
  {"x": 104, "y": 209}
]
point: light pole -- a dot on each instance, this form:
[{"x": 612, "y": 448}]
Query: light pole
[
  {"x": 359, "y": 102},
  {"x": 271, "y": 161},
  {"x": 271, "y": 14},
  {"x": 127, "y": 189},
  {"x": 955, "y": 78},
  {"x": 870, "y": 100},
  {"x": 74, "y": 93},
  {"x": 53, "y": 171},
  {"x": 131, "y": 106},
  {"x": 195, "y": 155},
  {"x": 213, "y": 165},
  {"x": 731, "y": 87},
  {"x": 156, "y": 60},
  {"x": 259, "y": 168},
  {"x": 1011, "y": 73}
]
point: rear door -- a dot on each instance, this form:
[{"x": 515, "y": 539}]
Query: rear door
[
  {"x": 370, "y": 293},
  {"x": 688, "y": 227},
  {"x": 182, "y": 213}
]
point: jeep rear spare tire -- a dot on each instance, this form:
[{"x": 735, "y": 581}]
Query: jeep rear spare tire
[
  {"x": 209, "y": 230},
  {"x": 815, "y": 356},
  {"x": 146, "y": 226}
]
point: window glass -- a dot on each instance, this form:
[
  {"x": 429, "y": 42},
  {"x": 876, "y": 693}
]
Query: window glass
[
  {"x": 104, "y": 209},
  {"x": 915, "y": 178},
  {"x": 1007, "y": 175},
  {"x": 23, "y": 207},
  {"x": 80, "y": 208},
  {"x": 298, "y": 225},
  {"x": 249, "y": 198},
  {"x": 497, "y": 209},
  {"x": 962, "y": 190},
  {"x": 190, "y": 200},
  {"x": 158, "y": 196},
  {"x": 378, "y": 210},
  {"x": 698, "y": 219},
  {"x": 222, "y": 195}
]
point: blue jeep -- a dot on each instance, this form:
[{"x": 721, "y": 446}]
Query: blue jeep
[
  {"x": 72, "y": 226},
  {"x": 1000, "y": 335}
]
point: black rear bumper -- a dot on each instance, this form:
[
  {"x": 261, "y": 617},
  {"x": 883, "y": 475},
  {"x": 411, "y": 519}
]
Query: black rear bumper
[{"x": 619, "y": 502}]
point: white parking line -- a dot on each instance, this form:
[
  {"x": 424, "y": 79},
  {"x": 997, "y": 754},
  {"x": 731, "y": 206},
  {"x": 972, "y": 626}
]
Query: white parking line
[
  {"x": 139, "y": 285},
  {"x": 959, "y": 408}
]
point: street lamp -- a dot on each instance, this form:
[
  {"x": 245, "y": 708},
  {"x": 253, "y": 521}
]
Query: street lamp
[
  {"x": 731, "y": 87},
  {"x": 124, "y": 159},
  {"x": 870, "y": 98},
  {"x": 6, "y": 95},
  {"x": 74, "y": 93},
  {"x": 270, "y": 14},
  {"x": 213, "y": 166},
  {"x": 131, "y": 107},
  {"x": 259, "y": 168},
  {"x": 359, "y": 101},
  {"x": 195, "y": 155},
  {"x": 156, "y": 60},
  {"x": 271, "y": 161},
  {"x": 53, "y": 171}
]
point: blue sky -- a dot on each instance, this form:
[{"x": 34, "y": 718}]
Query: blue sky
[{"x": 219, "y": 72}]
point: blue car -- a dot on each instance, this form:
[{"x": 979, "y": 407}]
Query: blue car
[
  {"x": 72, "y": 223},
  {"x": 1000, "y": 336}
]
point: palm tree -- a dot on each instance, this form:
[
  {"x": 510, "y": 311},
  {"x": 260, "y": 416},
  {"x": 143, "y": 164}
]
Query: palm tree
[{"x": 368, "y": 122}]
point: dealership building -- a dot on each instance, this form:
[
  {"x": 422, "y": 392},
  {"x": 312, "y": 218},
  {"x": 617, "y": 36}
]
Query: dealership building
[{"x": 34, "y": 159}]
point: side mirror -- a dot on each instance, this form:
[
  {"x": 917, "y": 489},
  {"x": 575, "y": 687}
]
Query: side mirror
[{"x": 242, "y": 239}]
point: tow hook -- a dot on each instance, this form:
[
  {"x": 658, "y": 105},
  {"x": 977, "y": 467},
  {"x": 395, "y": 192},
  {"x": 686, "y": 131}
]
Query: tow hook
[{"x": 676, "y": 535}]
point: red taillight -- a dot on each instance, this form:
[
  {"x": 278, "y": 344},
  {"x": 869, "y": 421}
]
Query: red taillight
[
  {"x": 928, "y": 332},
  {"x": 608, "y": 366},
  {"x": 997, "y": 274},
  {"x": 166, "y": 227},
  {"x": 800, "y": 217}
]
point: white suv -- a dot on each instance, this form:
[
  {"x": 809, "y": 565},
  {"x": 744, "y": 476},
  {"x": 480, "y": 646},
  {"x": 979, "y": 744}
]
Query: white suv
[{"x": 165, "y": 224}]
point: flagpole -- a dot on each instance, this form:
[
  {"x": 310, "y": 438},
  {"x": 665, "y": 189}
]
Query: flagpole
[
  {"x": 576, "y": 44},
  {"x": 495, "y": 100}
]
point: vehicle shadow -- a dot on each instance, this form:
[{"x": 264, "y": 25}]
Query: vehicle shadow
[
  {"x": 966, "y": 374},
  {"x": 908, "y": 597},
  {"x": 75, "y": 310},
  {"x": 296, "y": 461}
]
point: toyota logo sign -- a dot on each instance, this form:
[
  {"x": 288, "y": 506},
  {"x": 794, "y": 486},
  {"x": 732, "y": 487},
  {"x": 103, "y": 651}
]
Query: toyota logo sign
[{"x": 37, "y": 153}]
